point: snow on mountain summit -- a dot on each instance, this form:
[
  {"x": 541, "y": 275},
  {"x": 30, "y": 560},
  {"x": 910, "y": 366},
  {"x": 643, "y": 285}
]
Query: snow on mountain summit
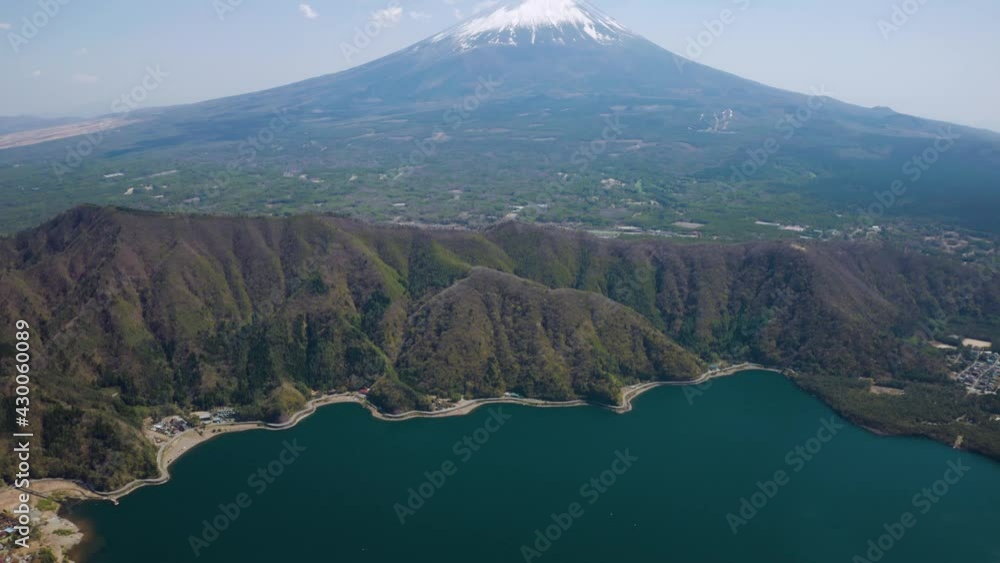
[{"x": 521, "y": 22}]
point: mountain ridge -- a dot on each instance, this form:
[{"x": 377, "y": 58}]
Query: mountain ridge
[{"x": 143, "y": 315}]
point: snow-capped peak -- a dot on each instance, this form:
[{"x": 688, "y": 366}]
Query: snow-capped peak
[{"x": 520, "y": 22}]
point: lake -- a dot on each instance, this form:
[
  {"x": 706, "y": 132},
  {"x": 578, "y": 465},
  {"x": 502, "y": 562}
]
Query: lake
[{"x": 747, "y": 469}]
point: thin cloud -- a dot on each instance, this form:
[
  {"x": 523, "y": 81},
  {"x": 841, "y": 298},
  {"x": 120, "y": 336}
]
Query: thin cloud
[
  {"x": 388, "y": 16},
  {"x": 308, "y": 11},
  {"x": 85, "y": 78},
  {"x": 484, "y": 5},
  {"x": 5, "y": 25}
]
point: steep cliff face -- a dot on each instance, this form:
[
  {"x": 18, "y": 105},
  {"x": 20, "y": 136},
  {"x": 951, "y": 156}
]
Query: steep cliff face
[{"x": 136, "y": 315}]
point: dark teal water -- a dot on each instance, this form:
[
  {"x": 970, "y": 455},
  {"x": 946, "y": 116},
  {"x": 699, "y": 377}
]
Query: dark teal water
[{"x": 696, "y": 461}]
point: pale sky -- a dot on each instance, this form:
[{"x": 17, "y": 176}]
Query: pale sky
[{"x": 940, "y": 62}]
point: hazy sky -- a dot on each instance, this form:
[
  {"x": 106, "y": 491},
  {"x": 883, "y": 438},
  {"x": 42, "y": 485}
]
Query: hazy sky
[{"x": 941, "y": 62}]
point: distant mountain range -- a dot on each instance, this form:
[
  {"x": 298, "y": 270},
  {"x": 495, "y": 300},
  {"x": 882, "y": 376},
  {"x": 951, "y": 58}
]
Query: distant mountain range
[
  {"x": 14, "y": 124},
  {"x": 545, "y": 108}
]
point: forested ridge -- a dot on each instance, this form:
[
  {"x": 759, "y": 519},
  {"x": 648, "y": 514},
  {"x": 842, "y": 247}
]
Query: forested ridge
[{"x": 139, "y": 314}]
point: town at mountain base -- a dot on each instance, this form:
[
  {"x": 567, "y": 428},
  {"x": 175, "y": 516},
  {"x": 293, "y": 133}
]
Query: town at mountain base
[
  {"x": 545, "y": 108},
  {"x": 140, "y": 315}
]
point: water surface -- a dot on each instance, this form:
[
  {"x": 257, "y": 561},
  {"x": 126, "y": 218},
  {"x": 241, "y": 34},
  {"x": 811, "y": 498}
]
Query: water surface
[{"x": 698, "y": 456}]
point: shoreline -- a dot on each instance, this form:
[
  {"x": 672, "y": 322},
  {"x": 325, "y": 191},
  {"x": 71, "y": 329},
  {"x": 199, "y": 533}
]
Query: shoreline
[{"x": 181, "y": 444}]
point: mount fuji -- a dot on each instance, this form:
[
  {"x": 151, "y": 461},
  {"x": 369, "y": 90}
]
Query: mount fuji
[
  {"x": 467, "y": 124},
  {"x": 562, "y": 22},
  {"x": 554, "y": 48}
]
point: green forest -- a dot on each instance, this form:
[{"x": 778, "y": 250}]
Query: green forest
[{"x": 140, "y": 315}]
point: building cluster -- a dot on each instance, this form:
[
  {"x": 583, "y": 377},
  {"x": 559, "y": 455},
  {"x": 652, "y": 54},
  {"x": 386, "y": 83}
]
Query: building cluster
[
  {"x": 7, "y": 535},
  {"x": 983, "y": 376},
  {"x": 223, "y": 415},
  {"x": 7, "y": 524},
  {"x": 174, "y": 425},
  {"x": 171, "y": 426}
]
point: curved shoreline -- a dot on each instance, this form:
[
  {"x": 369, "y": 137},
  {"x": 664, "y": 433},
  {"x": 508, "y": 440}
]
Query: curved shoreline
[{"x": 183, "y": 443}]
